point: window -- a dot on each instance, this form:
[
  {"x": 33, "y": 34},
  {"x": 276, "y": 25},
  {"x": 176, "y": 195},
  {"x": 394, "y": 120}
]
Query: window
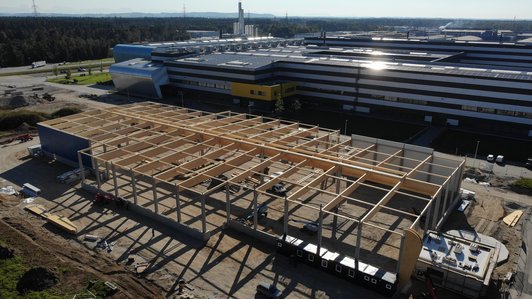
[
  {"x": 324, "y": 263},
  {"x": 338, "y": 268},
  {"x": 290, "y": 90},
  {"x": 252, "y": 92},
  {"x": 260, "y": 93},
  {"x": 351, "y": 273},
  {"x": 373, "y": 281},
  {"x": 311, "y": 257},
  {"x": 366, "y": 278},
  {"x": 299, "y": 253},
  {"x": 486, "y": 110},
  {"x": 411, "y": 101},
  {"x": 279, "y": 244},
  {"x": 469, "y": 108},
  {"x": 389, "y": 286}
]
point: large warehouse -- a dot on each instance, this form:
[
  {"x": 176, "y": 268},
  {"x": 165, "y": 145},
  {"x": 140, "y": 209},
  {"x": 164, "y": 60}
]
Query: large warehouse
[
  {"x": 482, "y": 85},
  {"x": 350, "y": 206}
]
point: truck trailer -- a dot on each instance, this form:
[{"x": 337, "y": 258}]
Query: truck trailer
[{"x": 37, "y": 64}]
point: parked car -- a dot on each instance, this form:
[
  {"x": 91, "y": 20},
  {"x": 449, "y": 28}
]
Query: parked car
[
  {"x": 82, "y": 69},
  {"x": 499, "y": 159},
  {"x": 490, "y": 158},
  {"x": 279, "y": 189},
  {"x": 310, "y": 228},
  {"x": 269, "y": 290},
  {"x": 529, "y": 163}
]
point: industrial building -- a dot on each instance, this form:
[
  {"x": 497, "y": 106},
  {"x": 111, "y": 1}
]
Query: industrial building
[
  {"x": 473, "y": 85},
  {"x": 353, "y": 206}
]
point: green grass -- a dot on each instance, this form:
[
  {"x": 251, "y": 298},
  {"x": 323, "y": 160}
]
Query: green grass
[
  {"x": 77, "y": 63},
  {"x": 524, "y": 183},
  {"x": 10, "y": 272},
  {"x": 95, "y": 78}
]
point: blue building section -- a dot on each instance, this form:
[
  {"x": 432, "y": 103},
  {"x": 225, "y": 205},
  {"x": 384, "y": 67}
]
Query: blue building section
[
  {"x": 139, "y": 77},
  {"x": 63, "y": 145},
  {"x": 123, "y": 52}
]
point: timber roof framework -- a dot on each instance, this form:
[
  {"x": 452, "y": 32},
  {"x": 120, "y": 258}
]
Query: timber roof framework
[{"x": 184, "y": 148}]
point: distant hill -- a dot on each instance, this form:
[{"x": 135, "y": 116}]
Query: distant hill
[{"x": 214, "y": 15}]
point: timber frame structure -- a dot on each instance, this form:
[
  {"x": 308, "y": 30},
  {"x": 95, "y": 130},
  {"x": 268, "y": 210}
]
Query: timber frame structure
[{"x": 167, "y": 159}]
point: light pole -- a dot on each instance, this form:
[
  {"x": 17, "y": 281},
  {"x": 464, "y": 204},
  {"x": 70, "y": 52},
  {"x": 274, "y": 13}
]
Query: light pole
[
  {"x": 345, "y": 127},
  {"x": 476, "y": 149},
  {"x": 180, "y": 93},
  {"x": 250, "y": 105}
]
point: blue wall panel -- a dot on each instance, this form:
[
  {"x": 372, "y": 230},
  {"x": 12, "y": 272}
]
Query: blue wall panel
[{"x": 63, "y": 144}]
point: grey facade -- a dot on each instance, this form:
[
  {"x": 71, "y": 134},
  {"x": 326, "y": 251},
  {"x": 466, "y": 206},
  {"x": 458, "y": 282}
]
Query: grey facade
[{"x": 446, "y": 82}]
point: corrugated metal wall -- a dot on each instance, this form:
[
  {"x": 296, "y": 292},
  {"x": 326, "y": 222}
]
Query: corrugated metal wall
[{"x": 63, "y": 145}]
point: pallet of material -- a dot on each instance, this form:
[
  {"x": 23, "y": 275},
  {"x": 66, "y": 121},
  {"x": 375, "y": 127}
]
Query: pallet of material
[
  {"x": 63, "y": 223},
  {"x": 512, "y": 218},
  {"x": 37, "y": 209}
]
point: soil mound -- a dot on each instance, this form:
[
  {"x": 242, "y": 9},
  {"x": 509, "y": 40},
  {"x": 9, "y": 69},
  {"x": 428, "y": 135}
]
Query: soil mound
[
  {"x": 36, "y": 279},
  {"x": 18, "y": 101},
  {"x": 6, "y": 253},
  {"x": 24, "y": 127}
]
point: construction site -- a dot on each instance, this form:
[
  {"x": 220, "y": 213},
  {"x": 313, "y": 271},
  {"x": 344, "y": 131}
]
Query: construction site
[{"x": 350, "y": 205}]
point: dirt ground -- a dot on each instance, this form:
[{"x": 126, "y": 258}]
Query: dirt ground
[{"x": 44, "y": 246}]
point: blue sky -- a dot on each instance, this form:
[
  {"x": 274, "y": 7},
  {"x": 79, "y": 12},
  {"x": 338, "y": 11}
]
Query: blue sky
[{"x": 478, "y": 9}]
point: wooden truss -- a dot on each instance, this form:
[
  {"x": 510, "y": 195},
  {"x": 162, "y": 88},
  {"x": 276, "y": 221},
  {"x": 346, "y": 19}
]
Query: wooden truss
[{"x": 183, "y": 148}]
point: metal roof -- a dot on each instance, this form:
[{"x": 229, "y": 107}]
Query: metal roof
[{"x": 260, "y": 59}]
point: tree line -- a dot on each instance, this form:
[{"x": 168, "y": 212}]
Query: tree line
[{"x": 56, "y": 39}]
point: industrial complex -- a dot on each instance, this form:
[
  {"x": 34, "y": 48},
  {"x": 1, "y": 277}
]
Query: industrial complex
[
  {"x": 481, "y": 85},
  {"x": 357, "y": 207}
]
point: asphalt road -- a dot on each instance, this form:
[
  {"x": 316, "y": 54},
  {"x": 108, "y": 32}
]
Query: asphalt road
[
  {"x": 499, "y": 170},
  {"x": 48, "y": 67}
]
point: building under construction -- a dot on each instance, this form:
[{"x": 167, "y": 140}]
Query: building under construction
[{"x": 349, "y": 205}]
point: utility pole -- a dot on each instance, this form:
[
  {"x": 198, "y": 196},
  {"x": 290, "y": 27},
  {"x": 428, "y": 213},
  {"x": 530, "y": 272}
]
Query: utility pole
[{"x": 35, "y": 11}]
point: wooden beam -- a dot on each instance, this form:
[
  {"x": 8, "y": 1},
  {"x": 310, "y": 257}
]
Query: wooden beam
[
  {"x": 391, "y": 157},
  {"x": 322, "y": 177},
  {"x": 335, "y": 148},
  {"x": 255, "y": 169},
  {"x": 143, "y": 169},
  {"x": 342, "y": 196},
  {"x": 312, "y": 142},
  {"x": 130, "y": 160},
  {"x": 381, "y": 203},
  {"x": 111, "y": 155},
  {"x": 294, "y": 136},
  {"x": 257, "y": 128},
  {"x": 220, "y": 169},
  {"x": 285, "y": 174},
  {"x": 281, "y": 129}
]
